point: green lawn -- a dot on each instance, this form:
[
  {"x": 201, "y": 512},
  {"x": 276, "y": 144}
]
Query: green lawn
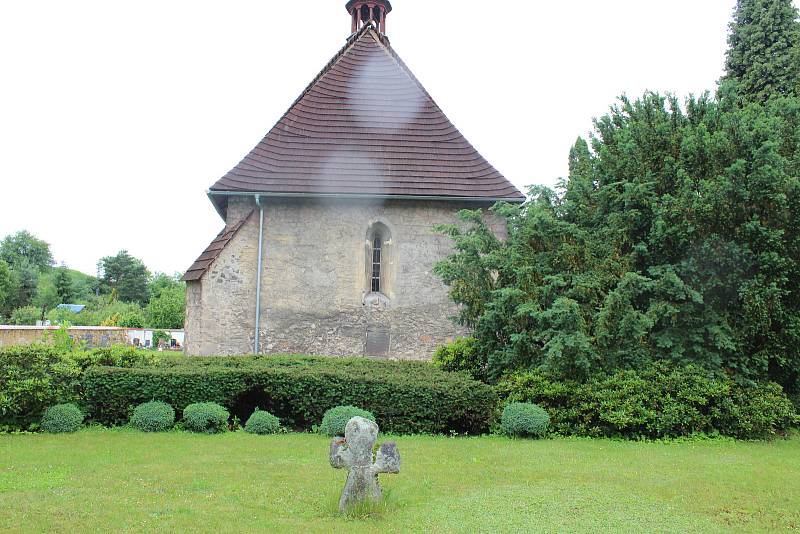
[{"x": 119, "y": 480}]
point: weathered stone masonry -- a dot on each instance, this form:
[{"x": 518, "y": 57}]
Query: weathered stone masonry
[{"x": 315, "y": 294}]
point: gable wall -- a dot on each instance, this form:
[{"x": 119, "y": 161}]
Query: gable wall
[
  {"x": 220, "y": 308},
  {"x": 315, "y": 283}
]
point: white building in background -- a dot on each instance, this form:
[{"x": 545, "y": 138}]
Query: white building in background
[{"x": 143, "y": 337}]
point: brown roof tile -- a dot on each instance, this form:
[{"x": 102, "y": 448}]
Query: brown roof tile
[
  {"x": 212, "y": 252},
  {"x": 366, "y": 126}
]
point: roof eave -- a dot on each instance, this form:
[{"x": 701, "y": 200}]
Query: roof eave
[{"x": 353, "y": 196}]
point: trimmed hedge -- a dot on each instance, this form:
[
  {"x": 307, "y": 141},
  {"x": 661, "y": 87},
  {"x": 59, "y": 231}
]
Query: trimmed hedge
[
  {"x": 62, "y": 418},
  {"x": 335, "y": 420},
  {"x": 153, "y": 416},
  {"x": 36, "y": 376},
  {"x": 407, "y": 398},
  {"x": 525, "y": 420},
  {"x": 660, "y": 402}
]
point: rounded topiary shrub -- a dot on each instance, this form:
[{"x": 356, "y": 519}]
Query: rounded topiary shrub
[
  {"x": 206, "y": 417},
  {"x": 262, "y": 423},
  {"x": 153, "y": 417},
  {"x": 525, "y": 419},
  {"x": 335, "y": 419},
  {"x": 62, "y": 418}
]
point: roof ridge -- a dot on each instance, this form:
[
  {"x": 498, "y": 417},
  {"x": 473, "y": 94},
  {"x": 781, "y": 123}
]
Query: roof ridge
[{"x": 339, "y": 108}]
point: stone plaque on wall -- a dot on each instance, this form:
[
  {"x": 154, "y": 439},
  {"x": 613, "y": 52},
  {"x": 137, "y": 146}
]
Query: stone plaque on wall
[{"x": 378, "y": 340}]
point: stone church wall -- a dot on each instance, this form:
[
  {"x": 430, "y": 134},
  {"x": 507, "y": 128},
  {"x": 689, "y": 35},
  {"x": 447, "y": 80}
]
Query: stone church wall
[{"x": 315, "y": 289}]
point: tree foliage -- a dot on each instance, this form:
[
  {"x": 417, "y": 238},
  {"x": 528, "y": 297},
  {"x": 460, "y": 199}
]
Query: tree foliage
[
  {"x": 161, "y": 281},
  {"x": 6, "y": 286},
  {"x": 24, "y": 247},
  {"x": 63, "y": 285},
  {"x": 763, "y": 60},
  {"x": 126, "y": 277},
  {"x": 25, "y": 316},
  {"x": 677, "y": 238},
  {"x": 168, "y": 309}
]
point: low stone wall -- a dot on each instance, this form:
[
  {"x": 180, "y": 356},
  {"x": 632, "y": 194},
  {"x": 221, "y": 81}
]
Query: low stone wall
[{"x": 93, "y": 336}]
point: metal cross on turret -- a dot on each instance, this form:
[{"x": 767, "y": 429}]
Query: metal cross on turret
[{"x": 354, "y": 452}]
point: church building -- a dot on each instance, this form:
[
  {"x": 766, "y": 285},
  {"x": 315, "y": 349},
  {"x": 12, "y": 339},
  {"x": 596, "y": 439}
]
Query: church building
[{"x": 329, "y": 242}]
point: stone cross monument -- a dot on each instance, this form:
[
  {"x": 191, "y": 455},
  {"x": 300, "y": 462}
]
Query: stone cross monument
[{"x": 354, "y": 452}]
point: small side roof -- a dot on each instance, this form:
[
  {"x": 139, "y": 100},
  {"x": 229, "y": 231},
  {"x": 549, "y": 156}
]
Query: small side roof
[
  {"x": 212, "y": 252},
  {"x": 74, "y": 308}
]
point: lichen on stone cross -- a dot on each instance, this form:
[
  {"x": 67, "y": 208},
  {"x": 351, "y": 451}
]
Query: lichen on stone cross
[{"x": 354, "y": 452}]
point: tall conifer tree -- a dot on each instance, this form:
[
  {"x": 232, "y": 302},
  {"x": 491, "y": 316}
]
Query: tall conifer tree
[{"x": 763, "y": 58}]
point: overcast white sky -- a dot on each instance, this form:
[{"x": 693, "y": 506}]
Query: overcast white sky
[{"x": 116, "y": 117}]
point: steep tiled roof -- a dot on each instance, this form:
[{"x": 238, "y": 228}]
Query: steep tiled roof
[
  {"x": 366, "y": 126},
  {"x": 212, "y": 252}
]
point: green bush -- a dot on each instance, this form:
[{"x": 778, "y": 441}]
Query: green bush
[
  {"x": 205, "y": 417},
  {"x": 154, "y": 416},
  {"x": 26, "y": 316},
  {"x": 524, "y": 419},
  {"x": 462, "y": 355},
  {"x": 62, "y": 418},
  {"x": 262, "y": 423},
  {"x": 335, "y": 419},
  {"x": 36, "y": 376},
  {"x": 659, "y": 402},
  {"x": 31, "y": 379},
  {"x": 406, "y": 397}
]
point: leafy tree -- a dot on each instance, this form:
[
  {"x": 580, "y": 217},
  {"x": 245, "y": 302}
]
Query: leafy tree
[
  {"x": 6, "y": 285},
  {"x": 763, "y": 60},
  {"x": 133, "y": 319},
  {"x": 84, "y": 286},
  {"x": 125, "y": 276},
  {"x": 26, "y": 316},
  {"x": 26, "y": 276},
  {"x": 24, "y": 248},
  {"x": 63, "y": 285},
  {"x": 46, "y": 295},
  {"x": 161, "y": 281},
  {"x": 168, "y": 310}
]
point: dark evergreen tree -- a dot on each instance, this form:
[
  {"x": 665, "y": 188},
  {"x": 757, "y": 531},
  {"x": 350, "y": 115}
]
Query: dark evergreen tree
[
  {"x": 6, "y": 288},
  {"x": 676, "y": 238},
  {"x": 126, "y": 277},
  {"x": 763, "y": 59},
  {"x": 63, "y": 283}
]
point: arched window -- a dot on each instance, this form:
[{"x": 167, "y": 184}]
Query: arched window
[
  {"x": 379, "y": 278},
  {"x": 377, "y": 249}
]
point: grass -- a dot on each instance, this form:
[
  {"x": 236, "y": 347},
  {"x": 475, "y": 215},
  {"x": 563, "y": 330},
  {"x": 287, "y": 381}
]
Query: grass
[{"x": 123, "y": 481}]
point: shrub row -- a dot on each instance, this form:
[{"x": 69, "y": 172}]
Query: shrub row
[
  {"x": 406, "y": 398},
  {"x": 660, "y": 402},
  {"x": 36, "y": 376}
]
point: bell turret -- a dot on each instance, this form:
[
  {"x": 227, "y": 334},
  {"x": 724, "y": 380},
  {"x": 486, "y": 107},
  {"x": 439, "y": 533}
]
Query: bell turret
[{"x": 366, "y": 11}]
